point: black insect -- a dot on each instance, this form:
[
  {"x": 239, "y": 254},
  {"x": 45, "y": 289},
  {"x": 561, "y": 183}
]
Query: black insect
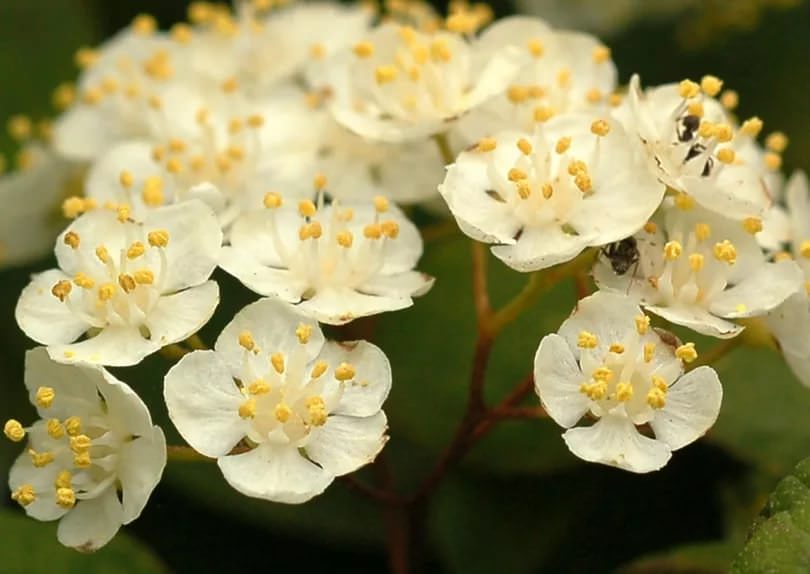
[
  {"x": 690, "y": 125},
  {"x": 622, "y": 255}
]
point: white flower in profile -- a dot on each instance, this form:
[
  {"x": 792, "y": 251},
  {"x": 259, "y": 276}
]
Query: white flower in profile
[
  {"x": 606, "y": 362},
  {"x": 131, "y": 287},
  {"x": 282, "y": 411},
  {"x": 92, "y": 460},
  {"x": 698, "y": 269},
  {"x": 693, "y": 146},
  {"x": 564, "y": 72},
  {"x": 544, "y": 198},
  {"x": 336, "y": 262},
  {"x": 401, "y": 84}
]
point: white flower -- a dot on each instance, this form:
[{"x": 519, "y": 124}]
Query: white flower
[
  {"x": 606, "y": 361},
  {"x": 544, "y": 198},
  {"x": 300, "y": 410},
  {"x": 131, "y": 287},
  {"x": 692, "y": 145},
  {"x": 698, "y": 269},
  {"x": 565, "y": 72},
  {"x": 401, "y": 84},
  {"x": 336, "y": 262},
  {"x": 92, "y": 460}
]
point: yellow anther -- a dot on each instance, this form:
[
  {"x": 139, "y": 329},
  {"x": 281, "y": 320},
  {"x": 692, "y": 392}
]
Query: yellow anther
[
  {"x": 62, "y": 289},
  {"x": 344, "y": 372},
  {"x": 74, "y": 206},
  {"x": 158, "y": 153},
  {"x": 486, "y": 144},
  {"x": 440, "y": 51},
  {"x": 41, "y": 459},
  {"x": 158, "y": 238},
  {"x": 563, "y": 145},
  {"x": 272, "y": 200},
  {"x": 346, "y": 215},
  {"x": 154, "y": 102},
  {"x": 390, "y": 229},
  {"x": 102, "y": 254},
  {"x": 73, "y": 425},
  {"x": 601, "y": 54},
  {"x": 688, "y": 89},
  {"x": 63, "y": 479},
  {"x": 603, "y": 374},
  {"x": 372, "y": 231},
  {"x": 307, "y": 208},
  {"x": 235, "y": 125},
  {"x": 576, "y": 167},
  {"x": 319, "y": 369},
  {"x": 723, "y": 132},
  {"x": 385, "y": 74},
  {"x": 277, "y": 360},
  {"x": 345, "y": 238},
  {"x": 144, "y": 277},
  {"x": 316, "y": 408},
  {"x": 20, "y": 127},
  {"x": 648, "y": 352},
  {"x": 80, "y": 443},
  {"x": 686, "y": 352},
  {"x": 726, "y": 155},
  {"x": 127, "y": 282},
  {"x": 258, "y": 387},
  {"x": 729, "y": 99},
  {"x": 317, "y": 51},
  {"x": 706, "y": 129},
  {"x": 72, "y": 239},
  {"x": 303, "y": 332},
  {"x": 363, "y": 49},
  {"x": 702, "y": 231},
  {"x": 144, "y": 25},
  {"x": 695, "y": 109},
  {"x": 106, "y": 292},
  {"x": 656, "y": 398},
  {"x": 24, "y": 495},
  {"x": 594, "y": 96},
  {"x": 310, "y": 231},
  {"x": 776, "y": 142},
  {"x": 617, "y": 348},
  {"x": 773, "y": 161},
  {"x": 594, "y": 391},
  {"x": 517, "y": 94},
  {"x": 181, "y": 33},
  {"x": 55, "y": 429},
  {"x": 524, "y": 146},
  {"x": 65, "y": 497},
  {"x": 624, "y": 392},
  {"x": 587, "y": 340},
  {"x": 247, "y": 410},
  {"x": 650, "y": 227},
  {"x": 174, "y": 166},
  {"x": 642, "y": 324},
  {"x": 135, "y": 250},
  {"x": 543, "y": 113},
  {"x": 230, "y": 85},
  {"x": 804, "y": 248},
  {"x": 92, "y": 96},
  {"x": 547, "y": 190},
  {"x": 246, "y": 341},
  {"x": 282, "y": 413},
  {"x": 711, "y": 85},
  {"x": 741, "y": 308},
  {"x": 659, "y": 383},
  {"x": 13, "y": 430},
  {"x": 63, "y": 96},
  {"x": 725, "y": 251},
  {"x": 535, "y": 47},
  {"x": 381, "y": 204},
  {"x": 752, "y": 126},
  {"x": 600, "y": 128},
  {"x": 696, "y": 261},
  {"x": 524, "y": 189},
  {"x": 255, "y": 121},
  {"x": 615, "y": 100},
  {"x": 583, "y": 181},
  {"x": 82, "y": 460},
  {"x": 123, "y": 212},
  {"x": 672, "y": 250},
  {"x": 85, "y": 57},
  {"x": 564, "y": 78},
  {"x": 202, "y": 115},
  {"x": 752, "y": 225}
]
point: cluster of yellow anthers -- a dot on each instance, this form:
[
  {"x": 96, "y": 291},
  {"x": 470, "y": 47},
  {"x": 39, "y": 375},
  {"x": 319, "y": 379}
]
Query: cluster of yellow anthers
[
  {"x": 285, "y": 394},
  {"x": 621, "y": 373},
  {"x": 724, "y": 133},
  {"x": 68, "y": 442}
]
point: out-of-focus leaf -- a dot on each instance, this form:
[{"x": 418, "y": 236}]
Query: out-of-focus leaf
[
  {"x": 705, "y": 558},
  {"x": 780, "y": 537},
  {"x": 764, "y": 414},
  {"x": 30, "y": 547}
]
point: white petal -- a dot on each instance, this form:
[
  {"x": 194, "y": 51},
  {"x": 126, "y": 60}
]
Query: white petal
[
  {"x": 140, "y": 469},
  {"x": 44, "y": 506},
  {"x": 557, "y": 378},
  {"x": 400, "y": 285},
  {"x": 692, "y": 406},
  {"x": 609, "y": 316},
  {"x": 614, "y": 440},
  {"x": 500, "y": 69},
  {"x": 94, "y": 228},
  {"x": 339, "y": 306},
  {"x": 697, "y": 319},
  {"x": 761, "y": 291},
  {"x": 279, "y": 474},
  {"x": 128, "y": 414},
  {"x": 104, "y": 177},
  {"x": 75, "y": 387},
  {"x": 176, "y": 317},
  {"x": 203, "y": 403},
  {"x": 43, "y": 317},
  {"x": 344, "y": 444},
  {"x": 539, "y": 248},
  {"x": 82, "y": 133},
  {"x": 92, "y": 523},
  {"x": 113, "y": 346},
  {"x": 365, "y": 394},
  {"x": 386, "y": 130},
  {"x": 260, "y": 279},
  {"x": 272, "y": 325}
]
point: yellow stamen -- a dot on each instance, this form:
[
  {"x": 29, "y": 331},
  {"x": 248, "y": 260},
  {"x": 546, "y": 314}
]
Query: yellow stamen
[
  {"x": 317, "y": 410},
  {"x": 277, "y": 360},
  {"x": 80, "y": 443},
  {"x": 246, "y": 341},
  {"x": 55, "y": 429},
  {"x": 624, "y": 392},
  {"x": 319, "y": 369},
  {"x": 65, "y": 497},
  {"x": 686, "y": 352},
  {"x": 272, "y": 200},
  {"x": 601, "y": 54},
  {"x": 688, "y": 89},
  {"x": 385, "y": 74},
  {"x": 13, "y": 430},
  {"x": 600, "y": 128},
  {"x": 696, "y": 261},
  {"x": 587, "y": 340},
  {"x": 486, "y": 144},
  {"x": 702, "y": 231},
  {"x": 144, "y": 277},
  {"x": 672, "y": 250},
  {"x": 283, "y": 413},
  {"x": 617, "y": 348},
  {"x": 24, "y": 495},
  {"x": 563, "y": 145},
  {"x": 44, "y": 397},
  {"x": 344, "y": 372},
  {"x": 648, "y": 352},
  {"x": 752, "y": 126},
  {"x": 303, "y": 332},
  {"x": 642, "y": 324},
  {"x": 63, "y": 479},
  {"x": 776, "y": 142},
  {"x": 61, "y": 290},
  {"x": 752, "y": 225},
  {"x": 363, "y": 49},
  {"x": 725, "y": 251},
  {"x": 158, "y": 238},
  {"x": 41, "y": 459},
  {"x": 711, "y": 85},
  {"x": 524, "y": 146},
  {"x": 73, "y": 426},
  {"x": 247, "y": 410}
]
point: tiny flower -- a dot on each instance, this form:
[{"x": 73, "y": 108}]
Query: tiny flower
[
  {"x": 92, "y": 460},
  {"x": 698, "y": 269},
  {"x": 544, "y": 198},
  {"x": 131, "y": 287},
  {"x": 693, "y": 146},
  {"x": 335, "y": 262},
  {"x": 643, "y": 384},
  {"x": 300, "y": 410},
  {"x": 403, "y": 84}
]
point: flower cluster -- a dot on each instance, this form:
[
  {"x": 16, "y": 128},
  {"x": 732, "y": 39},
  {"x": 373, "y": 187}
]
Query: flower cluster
[{"x": 287, "y": 146}]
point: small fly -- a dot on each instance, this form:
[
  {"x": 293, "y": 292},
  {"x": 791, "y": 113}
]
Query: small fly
[{"x": 622, "y": 255}]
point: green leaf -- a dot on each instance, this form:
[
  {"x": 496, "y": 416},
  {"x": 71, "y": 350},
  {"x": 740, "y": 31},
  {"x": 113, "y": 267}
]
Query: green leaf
[
  {"x": 30, "y": 547},
  {"x": 702, "y": 558},
  {"x": 780, "y": 537},
  {"x": 764, "y": 414},
  {"x": 431, "y": 346}
]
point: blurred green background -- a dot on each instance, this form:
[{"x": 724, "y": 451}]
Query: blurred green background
[{"x": 521, "y": 503}]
